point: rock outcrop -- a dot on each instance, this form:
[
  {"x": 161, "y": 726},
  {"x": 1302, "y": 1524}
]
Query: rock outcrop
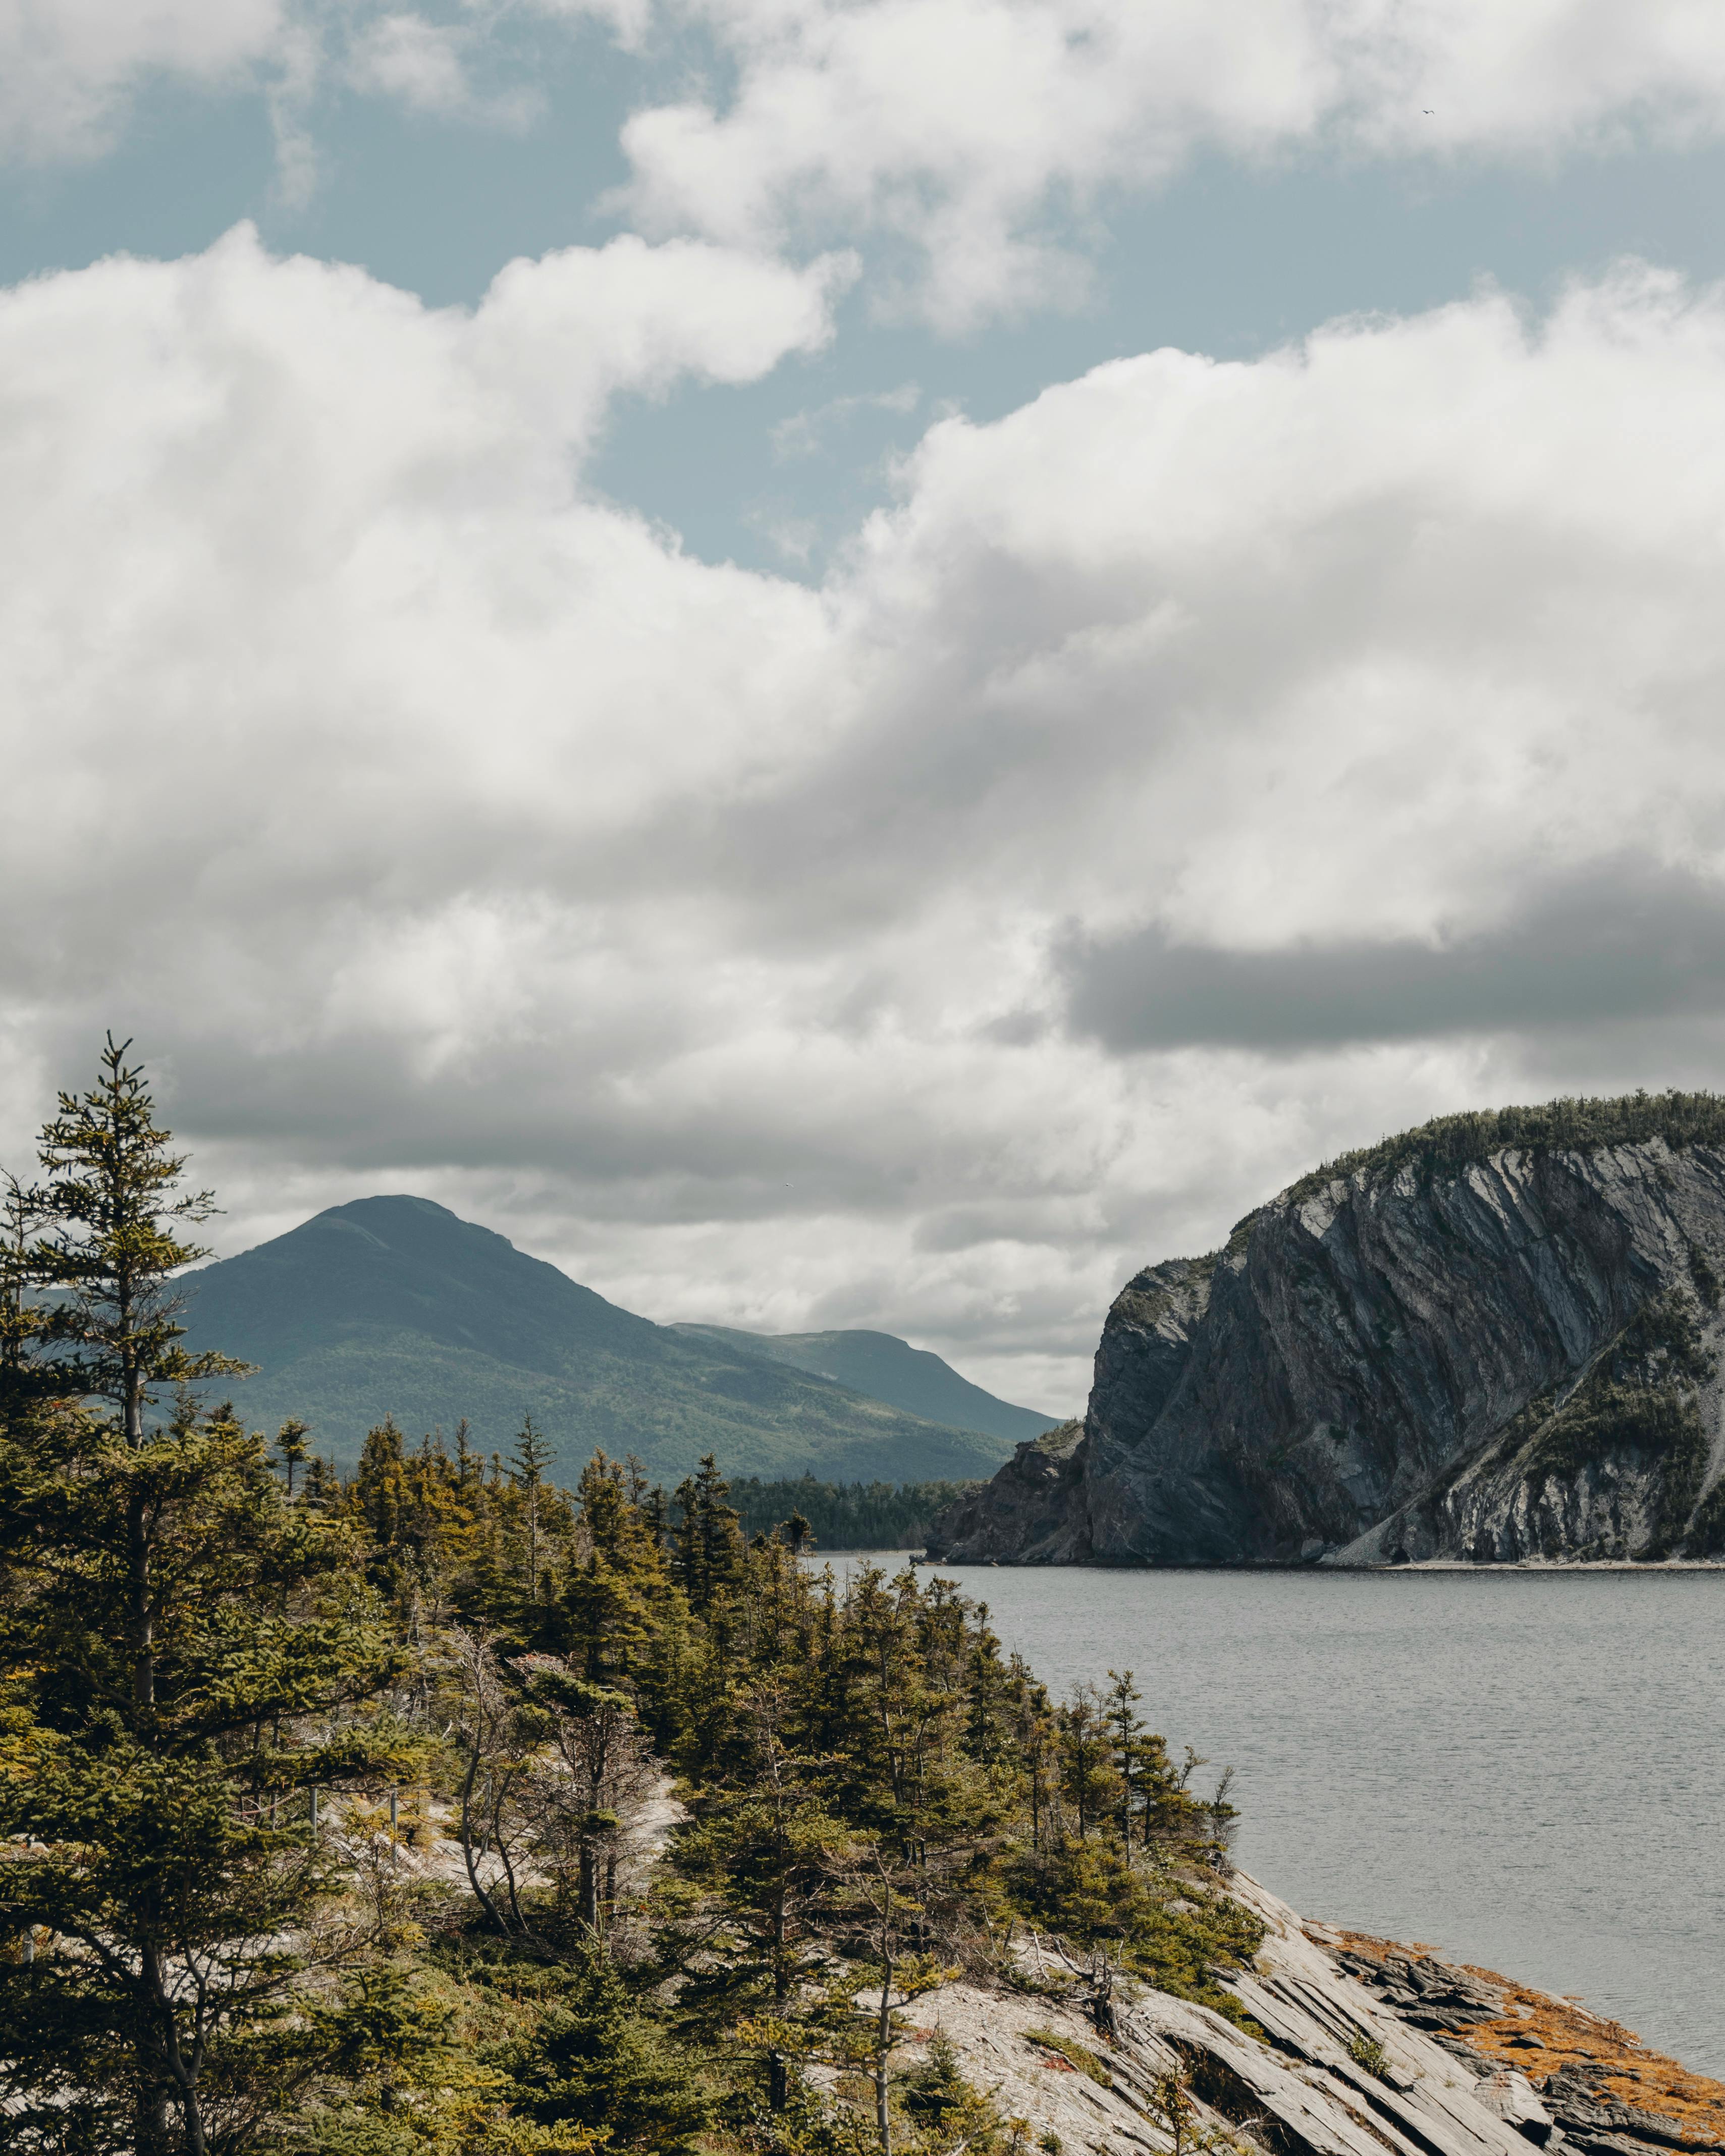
[
  {"x": 1494, "y": 1339},
  {"x": 1357, "y": 2049}
]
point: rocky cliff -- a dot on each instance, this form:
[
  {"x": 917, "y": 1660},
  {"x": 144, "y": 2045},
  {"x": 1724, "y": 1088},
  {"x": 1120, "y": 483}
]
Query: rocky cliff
[{"x": 1495, "y": 1338}]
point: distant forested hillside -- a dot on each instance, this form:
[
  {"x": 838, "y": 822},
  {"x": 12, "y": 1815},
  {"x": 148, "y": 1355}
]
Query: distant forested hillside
[
  {"x": 880, "y": 1515},
  {"x": 887, "y": 1368},
  {"x": 393, "y": 1306}
]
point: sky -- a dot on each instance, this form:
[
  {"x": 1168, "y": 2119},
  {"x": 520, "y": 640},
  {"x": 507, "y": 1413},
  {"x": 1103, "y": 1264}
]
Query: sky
[{"x": 857, "y": 662}]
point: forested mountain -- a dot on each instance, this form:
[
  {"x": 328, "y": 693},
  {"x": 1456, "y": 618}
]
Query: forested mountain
[
  {"x": 890, "y": 1369},
  {"x": 394, "y": 1306}
]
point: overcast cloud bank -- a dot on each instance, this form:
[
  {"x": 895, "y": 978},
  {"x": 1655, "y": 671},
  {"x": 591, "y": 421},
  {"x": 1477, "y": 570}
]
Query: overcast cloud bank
[{"x": 927, "y": 950}]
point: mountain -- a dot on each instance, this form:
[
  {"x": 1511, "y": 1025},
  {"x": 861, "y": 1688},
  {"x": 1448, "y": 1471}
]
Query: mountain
[
  {"x": 886, "y": 1368},
  {"x": 395, "y": 1305},
  {"x": 1495, "y": 1338}
]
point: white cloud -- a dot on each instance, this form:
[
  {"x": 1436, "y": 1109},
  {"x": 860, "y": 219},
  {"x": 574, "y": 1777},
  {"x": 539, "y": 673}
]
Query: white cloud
[
  {"x": 420, "y": 62},
  {"x": 803, "y": 433},
  {"x": 68, "y": 66},
  {"x": 436, "y": 825},
  {"x": 968, "y": 130},
  {"x": 970, "y": 144}
]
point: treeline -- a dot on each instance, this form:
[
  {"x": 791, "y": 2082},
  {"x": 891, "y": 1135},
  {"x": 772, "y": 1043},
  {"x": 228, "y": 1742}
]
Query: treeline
[
  {"x": 435, "y": 1808},
  {"x": 848, "y": 1515},
  {"x": 1577, "y": 1122}
]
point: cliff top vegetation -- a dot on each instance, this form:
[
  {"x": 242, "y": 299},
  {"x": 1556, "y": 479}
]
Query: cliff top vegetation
[{"x": 1573, "y": 1124}]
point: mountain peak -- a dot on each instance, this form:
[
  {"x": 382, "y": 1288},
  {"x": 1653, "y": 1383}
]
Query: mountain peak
[{"x": 393, "y": 1304}]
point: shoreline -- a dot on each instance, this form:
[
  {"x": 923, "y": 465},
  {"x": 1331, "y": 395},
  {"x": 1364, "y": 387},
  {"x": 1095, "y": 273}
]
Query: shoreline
[
  {"x": 1344, "y": 2045},
  {"x": 1318, "y": 1565},
  {"x": 1587, "y": 2068}
]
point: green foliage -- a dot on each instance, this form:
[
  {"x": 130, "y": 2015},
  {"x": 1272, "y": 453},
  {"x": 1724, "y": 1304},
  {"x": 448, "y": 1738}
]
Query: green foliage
[
  {"x": 1568, "y": 1124},
  {"x": 1368, "y": 2052},
  {"x": 333, "y": 1801},
  {"x": 1172, "y": 2107},
  {"x": 844, "y": 1516},
  {"x": 1639, "y": 1398},
  {"x": 947, "y": 2111},
  {"x": 1074, "y": 2053},
  {"x": 1611, "y": 1420},
  {"x": 110, "y": 1214},
  {"x": 593, "y": 2060}
]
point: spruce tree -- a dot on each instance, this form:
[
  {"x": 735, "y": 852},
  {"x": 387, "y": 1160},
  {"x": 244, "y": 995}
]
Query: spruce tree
[
  {"x": 112, "y": 1214},
  {"x": 188, "y": 1657},
  {"x": 292, "y": 1447},
  {"x": 532, "y": 1456}
]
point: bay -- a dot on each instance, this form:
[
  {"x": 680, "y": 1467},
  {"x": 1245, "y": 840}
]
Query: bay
[{"x": 1524, "y": 1769}]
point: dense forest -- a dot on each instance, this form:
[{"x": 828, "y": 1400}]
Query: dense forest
[
  {"x": 847, "y": 1515},
  {"x": 436, "y": 1808}
]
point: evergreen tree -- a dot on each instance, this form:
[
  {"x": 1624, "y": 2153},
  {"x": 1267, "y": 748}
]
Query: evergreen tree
[
  {"x": 532, "y": 1456},
  {"x": 24, "y": 1375},
  {"x": 167, "y": 1815},
  {"x": 111, "y": 1213},
  {"x": 292, "y": 1447},
  {"x": 188, "y": 1657},
  {"x": 709, "y": 1541},
  {"x": 594, "y": 2060}
]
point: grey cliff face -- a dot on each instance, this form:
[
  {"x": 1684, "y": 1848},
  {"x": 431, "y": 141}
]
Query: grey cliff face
[
  {"x": 1026, "y": 1516},
  {"x": 1506, "y": 1357}
]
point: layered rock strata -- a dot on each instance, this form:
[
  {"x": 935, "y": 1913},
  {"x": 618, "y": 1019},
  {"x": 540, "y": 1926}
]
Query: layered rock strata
[
  {"x": 1363, "y": 2049},
  {"x": 1500, "y": 1358}
]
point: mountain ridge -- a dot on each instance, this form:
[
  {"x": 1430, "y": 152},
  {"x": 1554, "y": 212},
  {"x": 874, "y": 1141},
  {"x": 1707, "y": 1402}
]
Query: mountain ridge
[
  {"x": 394, "y": 1305},
  {"x": 884, "y": 1367}
]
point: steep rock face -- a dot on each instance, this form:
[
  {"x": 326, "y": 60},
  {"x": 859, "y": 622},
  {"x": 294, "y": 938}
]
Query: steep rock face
[
  {"x": 1498, "y": 1357},
  {"x": 1027, "y": 1515}
]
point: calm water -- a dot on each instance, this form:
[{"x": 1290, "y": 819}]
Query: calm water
[{"x": 1526, "y": 1770}]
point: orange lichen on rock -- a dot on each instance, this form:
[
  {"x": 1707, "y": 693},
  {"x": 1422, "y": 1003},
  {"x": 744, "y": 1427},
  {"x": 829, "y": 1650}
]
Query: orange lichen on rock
[{"x": 1537, "y": 2034}]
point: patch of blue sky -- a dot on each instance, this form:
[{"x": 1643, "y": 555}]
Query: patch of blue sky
[{"x": 1229, "y": 259}]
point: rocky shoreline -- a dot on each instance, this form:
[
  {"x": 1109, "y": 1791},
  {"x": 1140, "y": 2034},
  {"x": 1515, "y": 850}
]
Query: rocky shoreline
[{"x": 1360, "y": 2047}]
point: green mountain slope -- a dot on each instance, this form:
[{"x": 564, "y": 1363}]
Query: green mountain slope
[
  {"x": 887, "y": 1368},
  {"x": 394, "y": 1306}
]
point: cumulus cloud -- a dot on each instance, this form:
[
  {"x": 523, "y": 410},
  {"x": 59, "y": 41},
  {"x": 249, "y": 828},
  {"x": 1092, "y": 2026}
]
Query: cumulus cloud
[
  {"x": 71, "y": 70},
  {"x": 970, "y": 130},
  {"x": 68, "y": 66},
  {"x": 900, "y": 952},
  {"x": 967, "y": 144}
]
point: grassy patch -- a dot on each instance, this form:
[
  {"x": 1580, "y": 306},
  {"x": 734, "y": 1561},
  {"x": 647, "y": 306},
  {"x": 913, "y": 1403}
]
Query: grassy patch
[{"x": 1073, "y": 2052}]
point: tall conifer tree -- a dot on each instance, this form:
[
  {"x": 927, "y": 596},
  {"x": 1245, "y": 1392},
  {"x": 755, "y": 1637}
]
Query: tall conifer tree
[{"x": 186, "y": 1654}]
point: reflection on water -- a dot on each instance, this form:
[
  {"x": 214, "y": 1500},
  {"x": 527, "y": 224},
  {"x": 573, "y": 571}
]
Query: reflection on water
[{"x": 1524, "y": 1769}]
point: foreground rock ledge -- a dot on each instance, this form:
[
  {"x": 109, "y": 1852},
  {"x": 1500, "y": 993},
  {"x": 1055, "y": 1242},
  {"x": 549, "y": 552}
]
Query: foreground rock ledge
[{"x": 1461, "y": 2062}]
